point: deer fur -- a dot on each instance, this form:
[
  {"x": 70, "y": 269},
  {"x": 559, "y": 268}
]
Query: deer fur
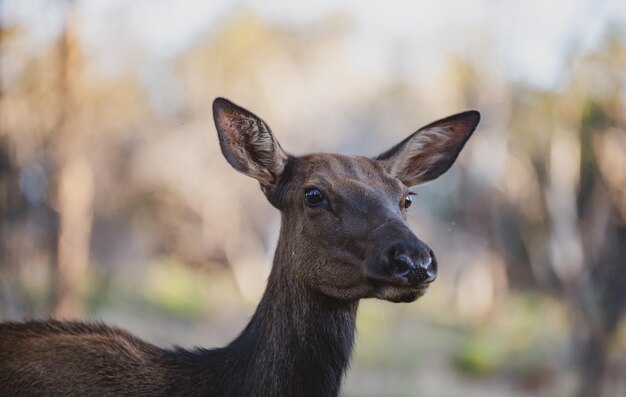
[{"x": 343, "y": 237}]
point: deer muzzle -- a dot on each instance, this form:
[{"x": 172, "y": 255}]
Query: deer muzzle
[{"x": 405, "y": 262}]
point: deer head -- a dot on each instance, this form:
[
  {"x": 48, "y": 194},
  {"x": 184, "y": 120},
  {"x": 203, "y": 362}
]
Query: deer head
[{"x": 344, "y": 232}]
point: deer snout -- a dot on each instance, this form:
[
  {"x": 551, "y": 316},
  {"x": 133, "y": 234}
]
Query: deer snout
[{"x": 415, "y": 263}]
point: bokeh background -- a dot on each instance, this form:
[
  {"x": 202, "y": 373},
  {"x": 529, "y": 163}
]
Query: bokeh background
[{"x": 116, "y": 203}]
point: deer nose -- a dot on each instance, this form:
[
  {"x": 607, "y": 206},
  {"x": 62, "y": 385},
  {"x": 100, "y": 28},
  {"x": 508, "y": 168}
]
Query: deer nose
[{"x": 418, "y": 267}]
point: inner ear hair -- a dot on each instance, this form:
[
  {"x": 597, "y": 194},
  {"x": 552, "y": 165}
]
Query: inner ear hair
[{"x": 430, "y": 151}]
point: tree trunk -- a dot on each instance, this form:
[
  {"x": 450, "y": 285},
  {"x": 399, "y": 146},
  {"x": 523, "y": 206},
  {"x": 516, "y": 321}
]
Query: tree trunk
[{"x": 74, "y": 181}]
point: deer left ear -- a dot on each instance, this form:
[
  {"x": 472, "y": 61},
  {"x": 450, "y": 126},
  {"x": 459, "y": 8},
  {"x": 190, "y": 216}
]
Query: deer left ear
[
  {"x": 431, "y": 150},
  {"x": 248, "y": 143}
]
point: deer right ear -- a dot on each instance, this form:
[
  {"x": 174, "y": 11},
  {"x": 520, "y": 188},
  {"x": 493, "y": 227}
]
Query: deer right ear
[
  {"x": 247, "y": 143},
  {"x": 431, "y": 150}
]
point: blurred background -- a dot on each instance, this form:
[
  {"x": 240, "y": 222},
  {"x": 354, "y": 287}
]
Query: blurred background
[{"x": 116, "y": 203}]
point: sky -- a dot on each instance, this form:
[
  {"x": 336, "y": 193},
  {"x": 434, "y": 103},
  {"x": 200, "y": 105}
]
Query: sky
[{"x": 530, "y": 41}]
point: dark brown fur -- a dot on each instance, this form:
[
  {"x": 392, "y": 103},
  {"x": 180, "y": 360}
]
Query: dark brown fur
[{"x": 354, "y": 244}]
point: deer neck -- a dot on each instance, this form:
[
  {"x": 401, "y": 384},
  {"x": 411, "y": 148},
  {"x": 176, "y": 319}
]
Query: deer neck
[{"x": 299, "y": 342}]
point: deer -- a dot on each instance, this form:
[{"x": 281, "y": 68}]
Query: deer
[{"x": 344, "y": 237}]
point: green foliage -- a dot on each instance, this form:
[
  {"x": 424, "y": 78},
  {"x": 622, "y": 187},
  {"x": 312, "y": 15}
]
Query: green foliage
[{"x": 481, "y": 355}]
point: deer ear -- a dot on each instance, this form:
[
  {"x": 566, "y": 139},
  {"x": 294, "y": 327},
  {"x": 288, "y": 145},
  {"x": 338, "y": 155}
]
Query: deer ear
[
  {"x": 431, "y": 150},
  {"x": 247, "y": 143}
]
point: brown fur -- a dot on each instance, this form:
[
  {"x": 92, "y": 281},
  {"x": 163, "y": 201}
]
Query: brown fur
[{"x": 85, "y": 356}]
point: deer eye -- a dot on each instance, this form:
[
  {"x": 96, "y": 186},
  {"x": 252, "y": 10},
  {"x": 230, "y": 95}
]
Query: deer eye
[
  {"x": 407, "y": 201},
  {"x": 313, "y": 197}
]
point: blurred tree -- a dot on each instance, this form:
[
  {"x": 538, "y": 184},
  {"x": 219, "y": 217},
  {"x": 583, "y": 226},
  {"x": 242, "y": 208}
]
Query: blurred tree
[
  {"x": 75, "y": 176},
  {"x": 9, "y": 294}
]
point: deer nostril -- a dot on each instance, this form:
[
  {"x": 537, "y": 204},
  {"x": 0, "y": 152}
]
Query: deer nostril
[
  {"x": 402, "y": 265},
  {"x": 429, "y": 268}
]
